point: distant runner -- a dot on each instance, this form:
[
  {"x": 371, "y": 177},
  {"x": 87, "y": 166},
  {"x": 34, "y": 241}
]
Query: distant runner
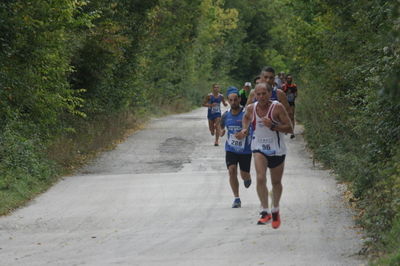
[
  {"x": 213, "y": 102},
  {"x": 237, "y": 145},
  {"x": 290, "y": 89},
  {"x": 251, "y": 98},
  {"x": 268, "y": 76},
  {"x": 244, "y": 93},
  {"x": 269, "y": 121},
  {"x": 280, "y": 79}
]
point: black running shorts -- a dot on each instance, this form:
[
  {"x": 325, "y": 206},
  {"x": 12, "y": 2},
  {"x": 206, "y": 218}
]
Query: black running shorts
[
  {"x": 244, "y": 160},
  {"x": 273, "y": 161}
]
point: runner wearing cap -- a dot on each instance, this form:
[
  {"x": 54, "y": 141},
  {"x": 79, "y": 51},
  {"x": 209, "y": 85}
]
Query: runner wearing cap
[{"x": 244, "y": 93}]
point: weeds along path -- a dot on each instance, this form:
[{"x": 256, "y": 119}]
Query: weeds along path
[{"x": 163, "y": 198}]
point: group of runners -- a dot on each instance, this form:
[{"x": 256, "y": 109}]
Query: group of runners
[{"x": 256, "y": 125}]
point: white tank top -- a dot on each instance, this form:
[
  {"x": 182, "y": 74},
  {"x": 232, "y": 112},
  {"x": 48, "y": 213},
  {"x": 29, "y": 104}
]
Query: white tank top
[{"x": 271, "y": 143}]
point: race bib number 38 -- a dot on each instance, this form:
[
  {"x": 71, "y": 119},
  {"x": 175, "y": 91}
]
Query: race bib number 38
[{"x": 215, "y": 109}]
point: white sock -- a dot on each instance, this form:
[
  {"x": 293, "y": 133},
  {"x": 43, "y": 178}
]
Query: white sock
[
  {"x": 266, "y": 210},
  {"x": 237, "y": 198},
  {"x": 275, "y": 209}
]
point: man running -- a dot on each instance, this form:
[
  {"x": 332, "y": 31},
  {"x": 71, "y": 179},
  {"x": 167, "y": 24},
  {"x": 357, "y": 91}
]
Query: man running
[
  {"x": 268, "y": 76},
  {"x": 237, "y": 145},
  {"x": 244, "y": 93},
  {"x": 213, "y": 102},
  {"x": 269, "y": 123},
  {"x": 290, "y": 89},
  {"x": 280, "y": 79}
]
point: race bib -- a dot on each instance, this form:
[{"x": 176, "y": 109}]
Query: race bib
[
  {"x": 290, "y": 97},
  {"x": 265, "y": 146},
  {"x": 237, "y": 144},
  {"x": 215, "y": 109}
]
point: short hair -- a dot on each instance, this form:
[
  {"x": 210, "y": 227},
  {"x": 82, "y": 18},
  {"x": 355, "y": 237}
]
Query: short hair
[
  {"x": 256, "y": 78},
  {"x": 268, "y": 69},
  {"x": 266, "y": 85}
]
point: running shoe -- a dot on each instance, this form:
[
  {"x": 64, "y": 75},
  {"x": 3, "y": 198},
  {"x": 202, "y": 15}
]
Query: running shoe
[
  {"x": 216, "y": 144},
  {"x": 247, "y": 183},
  {"x": 265, "y": 217},
  {"x": 236, "y": 203},
  {"x": 276, "y": 220}
]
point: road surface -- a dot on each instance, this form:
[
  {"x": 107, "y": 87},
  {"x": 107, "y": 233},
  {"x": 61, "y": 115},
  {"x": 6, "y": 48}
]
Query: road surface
[{"x": 163, "y": 198}]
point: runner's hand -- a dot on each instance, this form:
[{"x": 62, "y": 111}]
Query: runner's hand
[
  {"x": 241, "y": 134},
  {"x": 222, "y": 132},
  {"x": 267, "y": 122}
]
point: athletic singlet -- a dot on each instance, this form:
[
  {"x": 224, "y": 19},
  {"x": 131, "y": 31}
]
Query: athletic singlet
[
  {"x": 213, "y": 110},
  {"x": 234, "y": 124},
  {"x": 271, "y": 143},
  {"x": 274, "y": 96}
]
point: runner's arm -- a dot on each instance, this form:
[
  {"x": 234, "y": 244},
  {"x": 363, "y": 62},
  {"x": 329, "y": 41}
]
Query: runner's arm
[
  {"x": 285, "y": 125},
  {"x": 252, "y": 95},
  {"x": 248, "y": 115},
  {"x": 283, "y": 100},
  {"x": 223, "y": 101},
  {"x": 205, "y": 102},
  {"x": 222, "y": 124}
]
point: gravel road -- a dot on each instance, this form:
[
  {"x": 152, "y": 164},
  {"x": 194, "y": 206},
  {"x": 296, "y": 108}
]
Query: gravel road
[{"x": 163, "y": 198}]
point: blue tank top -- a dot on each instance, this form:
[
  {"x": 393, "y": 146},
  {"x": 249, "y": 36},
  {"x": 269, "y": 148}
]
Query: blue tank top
[
  {"x": 233, "y": 124},
  {"x": 215, "y": 109},
  {"x": 274, "y": 96}
]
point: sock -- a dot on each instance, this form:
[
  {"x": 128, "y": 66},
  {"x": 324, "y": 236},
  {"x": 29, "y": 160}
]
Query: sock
[
  {"x": 275, "y": 209},
  {"x": 266, "y": 210},
  {"x": 237, "y": 198}
]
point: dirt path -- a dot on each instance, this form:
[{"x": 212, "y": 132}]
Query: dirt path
[{"x": 163, "y": 198}]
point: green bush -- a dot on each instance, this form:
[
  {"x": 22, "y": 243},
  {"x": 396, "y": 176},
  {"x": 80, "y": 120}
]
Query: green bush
[{"x": 23, "y": 168}]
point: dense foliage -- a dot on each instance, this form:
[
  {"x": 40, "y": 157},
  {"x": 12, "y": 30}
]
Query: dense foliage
[
  {"x": 72, "y": 69},
  {"x": 347, "y": 55}
]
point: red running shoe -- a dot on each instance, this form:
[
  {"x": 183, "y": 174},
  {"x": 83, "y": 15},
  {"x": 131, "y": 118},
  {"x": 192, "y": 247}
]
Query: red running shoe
[
  {"x": 265, "y": 218},
  {"x": 276, "y": 220}
]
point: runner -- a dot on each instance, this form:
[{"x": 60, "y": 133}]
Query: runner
[
  {"x": 251, "y": 98},
  {"x": 291, "y": 93},
  {"x": 280, "y": 80},
  {"x": 269, "y": 122},
  {"x": 244, "y": 93},
  {"x": 268, "y": 76},
  {"x": 237, "y": 145},
  {"x": 213, "y": 102}
]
